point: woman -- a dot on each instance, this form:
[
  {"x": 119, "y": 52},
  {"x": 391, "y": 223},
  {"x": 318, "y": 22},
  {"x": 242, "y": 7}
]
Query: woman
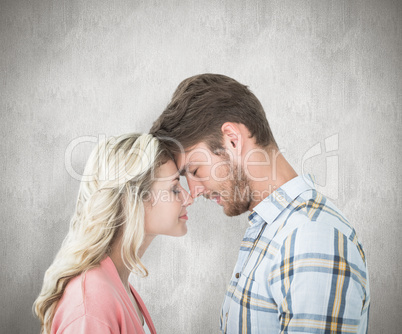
[{"x": 130, "y": 182}]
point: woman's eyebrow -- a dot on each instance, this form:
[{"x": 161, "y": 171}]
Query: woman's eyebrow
[{"x": 182, "y": 171}]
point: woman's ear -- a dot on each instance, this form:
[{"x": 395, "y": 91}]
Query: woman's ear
[{"x": 232, "y": 137}]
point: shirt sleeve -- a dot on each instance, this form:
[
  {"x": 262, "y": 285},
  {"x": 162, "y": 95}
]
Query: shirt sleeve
[
  {"x": 86, "y": 325},
  {"x": 320, "y": 281}
]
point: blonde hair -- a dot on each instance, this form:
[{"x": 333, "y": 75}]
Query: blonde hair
[{"x": 117, "y": 178}]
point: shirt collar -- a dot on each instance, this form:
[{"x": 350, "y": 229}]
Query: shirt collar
[{"x": 270, "y": 207}]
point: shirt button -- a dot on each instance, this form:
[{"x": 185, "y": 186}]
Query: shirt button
[{"x": 237, "y": 275}]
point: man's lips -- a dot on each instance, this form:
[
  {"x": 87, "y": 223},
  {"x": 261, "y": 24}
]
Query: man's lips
[
  {"x": 216, "y": 199},
  {"x": 214, "y": 196}
]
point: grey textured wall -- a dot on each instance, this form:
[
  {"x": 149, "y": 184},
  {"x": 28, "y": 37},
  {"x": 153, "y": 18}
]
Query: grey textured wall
[{"x": 322, "y": 69}]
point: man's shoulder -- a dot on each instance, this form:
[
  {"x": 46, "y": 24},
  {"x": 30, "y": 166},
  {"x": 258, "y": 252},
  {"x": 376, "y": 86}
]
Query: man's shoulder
[
  {"x": 313, "y": 211},
  {"x": 314, "y": 224}
]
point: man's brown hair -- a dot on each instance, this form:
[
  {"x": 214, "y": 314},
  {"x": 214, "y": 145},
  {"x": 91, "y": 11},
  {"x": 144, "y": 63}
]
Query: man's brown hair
[{"x": 201, "y": 105}]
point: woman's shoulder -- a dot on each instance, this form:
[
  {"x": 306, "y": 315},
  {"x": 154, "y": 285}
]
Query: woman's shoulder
[
  {"x": 96, "y": 282},
  {"x": 93, "y": 295}
]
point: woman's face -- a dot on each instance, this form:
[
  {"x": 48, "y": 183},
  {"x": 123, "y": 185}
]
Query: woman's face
[{"x": 165, "y": 211}]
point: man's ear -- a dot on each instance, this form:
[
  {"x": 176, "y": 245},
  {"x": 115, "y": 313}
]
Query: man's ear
[{"x": 232, "y": 137}]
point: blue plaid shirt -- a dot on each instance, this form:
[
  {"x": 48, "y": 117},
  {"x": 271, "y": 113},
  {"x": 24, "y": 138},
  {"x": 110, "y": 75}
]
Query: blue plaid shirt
[{"x": 300, "y": 269}]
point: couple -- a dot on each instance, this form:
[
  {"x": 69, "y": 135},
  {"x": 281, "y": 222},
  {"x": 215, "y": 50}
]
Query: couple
[{"x": 301, "y": 268}]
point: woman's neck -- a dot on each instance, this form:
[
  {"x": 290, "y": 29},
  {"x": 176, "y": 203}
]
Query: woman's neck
[{"x": 115, "y": 255}]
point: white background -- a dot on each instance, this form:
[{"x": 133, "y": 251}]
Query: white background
[{"x": 88, "y": 68}]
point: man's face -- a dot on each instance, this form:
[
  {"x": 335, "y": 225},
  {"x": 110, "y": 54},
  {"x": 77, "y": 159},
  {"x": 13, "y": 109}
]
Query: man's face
[{"x": 216, "y": 177}]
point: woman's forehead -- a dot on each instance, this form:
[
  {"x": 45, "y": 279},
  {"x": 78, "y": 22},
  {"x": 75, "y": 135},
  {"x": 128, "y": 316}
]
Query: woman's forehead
[{"x": 167, "y": 172}]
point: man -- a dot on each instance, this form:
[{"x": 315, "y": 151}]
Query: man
[{"x": 301, "y": 268}]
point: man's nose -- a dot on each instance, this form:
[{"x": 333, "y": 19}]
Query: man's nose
[
  {"x": 196, "y": 187},
  {"x": 187, "y": 198}
]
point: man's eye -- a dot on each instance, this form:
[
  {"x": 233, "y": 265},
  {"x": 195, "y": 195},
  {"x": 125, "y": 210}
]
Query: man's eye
[
  {"x": 195, "y": 171},
  {"x": 176, "y": 191}
]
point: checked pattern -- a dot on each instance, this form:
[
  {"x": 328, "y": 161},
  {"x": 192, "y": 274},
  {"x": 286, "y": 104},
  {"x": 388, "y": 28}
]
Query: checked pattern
[{"x": 301, "y": 268}]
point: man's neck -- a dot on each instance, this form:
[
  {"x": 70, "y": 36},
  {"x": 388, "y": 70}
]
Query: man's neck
[{"x": 266, "y": 173}]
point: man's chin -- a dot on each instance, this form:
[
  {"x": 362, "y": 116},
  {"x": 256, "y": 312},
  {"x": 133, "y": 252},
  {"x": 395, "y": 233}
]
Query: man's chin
[{"x": 234, "y": 209}]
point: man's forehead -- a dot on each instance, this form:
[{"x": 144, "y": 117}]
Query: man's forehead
[
  {"x": 199, "y": 152},
  {"x": 180, "y": 160}
]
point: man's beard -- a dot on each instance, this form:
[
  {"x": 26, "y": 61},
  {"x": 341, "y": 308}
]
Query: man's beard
[{"x": 237, "y": 190}]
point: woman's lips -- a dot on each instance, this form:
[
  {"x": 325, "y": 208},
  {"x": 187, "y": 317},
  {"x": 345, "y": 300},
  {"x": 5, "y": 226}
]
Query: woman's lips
[{"x": 184, "y": 217}]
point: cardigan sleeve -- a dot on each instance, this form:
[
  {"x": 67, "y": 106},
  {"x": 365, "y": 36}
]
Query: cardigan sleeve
[{"x": 86, "y": 324}]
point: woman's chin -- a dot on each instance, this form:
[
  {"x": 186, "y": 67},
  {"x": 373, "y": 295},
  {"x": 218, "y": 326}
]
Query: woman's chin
[
  {"x": 182, "y": 231},
  {"x": 177, "y": 232}
]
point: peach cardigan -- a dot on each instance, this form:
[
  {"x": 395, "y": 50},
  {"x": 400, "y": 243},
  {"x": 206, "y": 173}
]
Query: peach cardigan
[{"x": 98, "y": 303}]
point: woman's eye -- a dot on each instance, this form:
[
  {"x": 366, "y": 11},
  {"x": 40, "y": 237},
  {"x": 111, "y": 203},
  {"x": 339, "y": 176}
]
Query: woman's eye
[
  {"x": 176, "y": 191},
  {"x": 195, "y": 171}
]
